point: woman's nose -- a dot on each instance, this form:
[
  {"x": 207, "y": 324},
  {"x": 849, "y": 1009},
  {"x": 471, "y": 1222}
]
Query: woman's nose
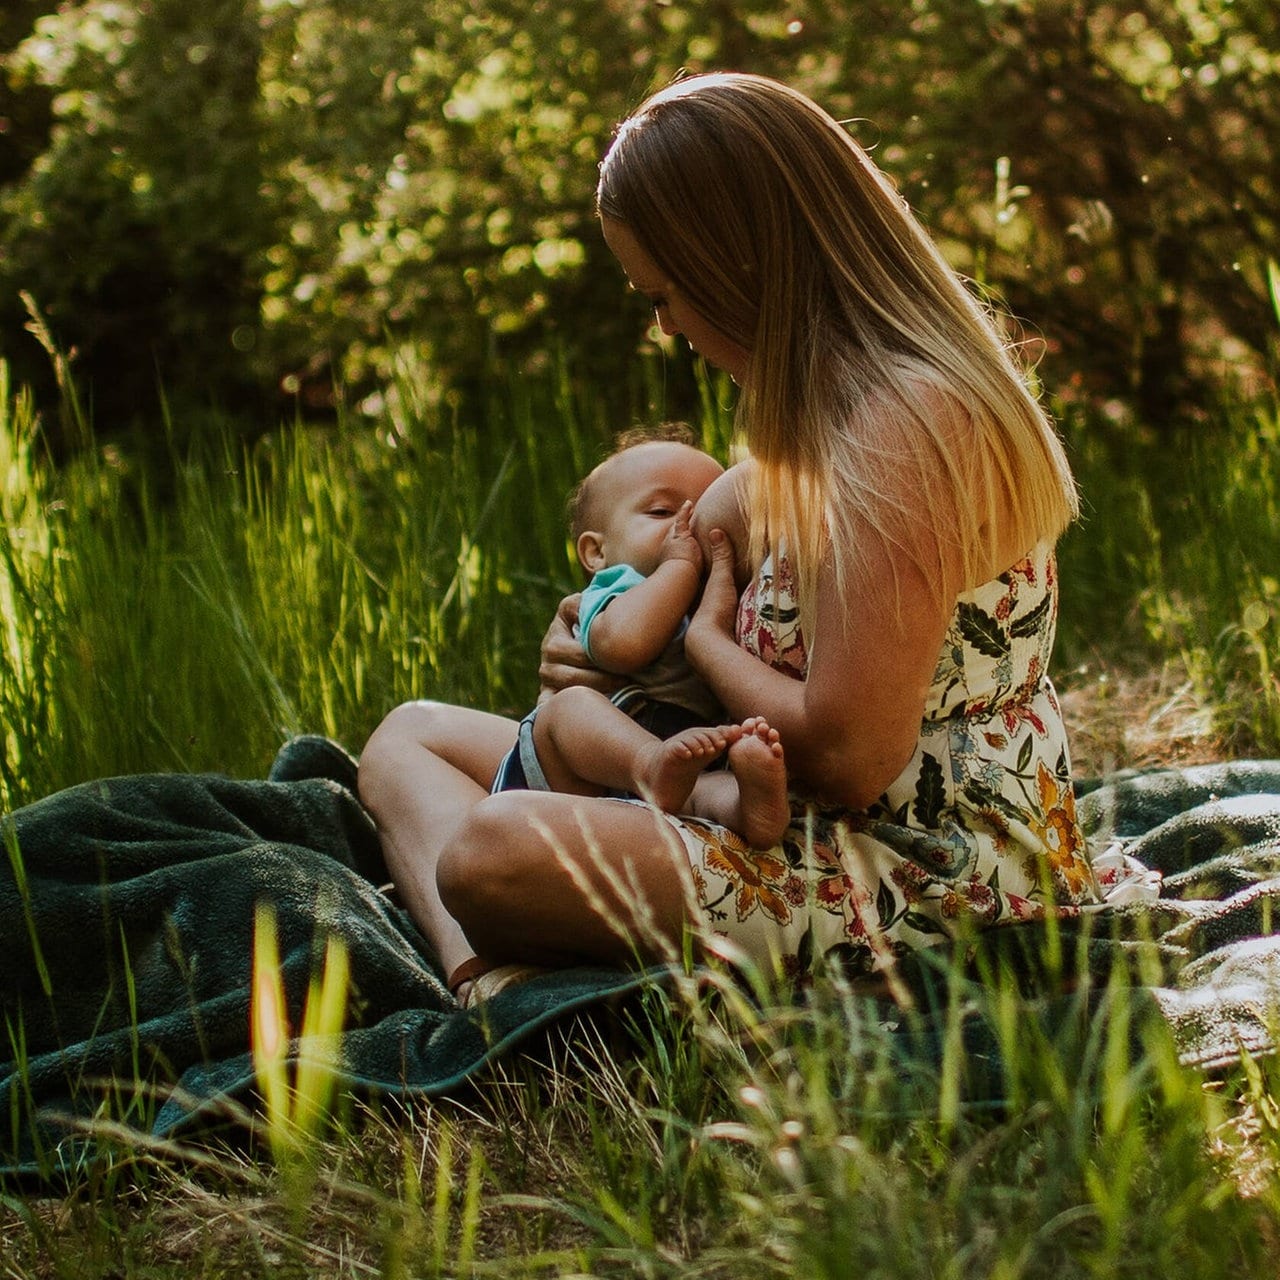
[{"x": 665, "y": 322}]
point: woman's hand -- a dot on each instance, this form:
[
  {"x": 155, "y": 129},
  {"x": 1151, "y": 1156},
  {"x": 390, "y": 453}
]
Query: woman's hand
[
  {"x": 564, "y": 660},
  {"x": 716, "y": 616}
]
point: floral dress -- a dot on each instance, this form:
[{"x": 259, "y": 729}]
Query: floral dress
[{"x": 979, "y": 829}]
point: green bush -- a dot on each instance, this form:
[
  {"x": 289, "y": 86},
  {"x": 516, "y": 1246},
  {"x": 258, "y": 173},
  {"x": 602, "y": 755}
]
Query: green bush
[{"x": 249, "y": 196}]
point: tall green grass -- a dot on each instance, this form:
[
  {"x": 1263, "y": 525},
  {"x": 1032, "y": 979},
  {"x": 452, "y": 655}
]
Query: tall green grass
[
  {"x": 313, "y": 580},
  {"x": 1176, "y": 561},
  {"x": 726, "y": 1138},
  {"x": 308, "y": 582}
]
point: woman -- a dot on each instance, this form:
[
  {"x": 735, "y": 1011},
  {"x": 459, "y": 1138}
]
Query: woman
[{"x": 898, "y": 505}]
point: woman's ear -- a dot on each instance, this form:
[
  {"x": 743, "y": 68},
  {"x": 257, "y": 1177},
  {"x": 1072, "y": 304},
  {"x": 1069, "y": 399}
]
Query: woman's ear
[{"x": 591, "y": 550}]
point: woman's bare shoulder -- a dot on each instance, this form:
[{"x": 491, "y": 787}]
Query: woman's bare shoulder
[{"x": 912, "y": 393}]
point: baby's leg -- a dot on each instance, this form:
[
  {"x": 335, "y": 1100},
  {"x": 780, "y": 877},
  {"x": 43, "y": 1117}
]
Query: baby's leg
[
  {"x": 751, "y": 797},
  {"x": 587, "y": 746}
]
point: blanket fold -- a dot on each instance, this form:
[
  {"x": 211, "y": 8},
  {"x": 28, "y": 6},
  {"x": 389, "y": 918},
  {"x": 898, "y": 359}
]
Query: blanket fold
[{"x": 127, "y": 909}]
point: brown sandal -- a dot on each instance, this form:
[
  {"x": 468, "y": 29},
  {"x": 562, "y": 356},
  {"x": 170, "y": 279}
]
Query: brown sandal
[
  {"x": 467, "y": 971},
  {"x": 476, "y": 980}
]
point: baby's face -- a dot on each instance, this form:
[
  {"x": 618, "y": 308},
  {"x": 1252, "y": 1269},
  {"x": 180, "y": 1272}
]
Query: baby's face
[{"x": 637, "y": 494}]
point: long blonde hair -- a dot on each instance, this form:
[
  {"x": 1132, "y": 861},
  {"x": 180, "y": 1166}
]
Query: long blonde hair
[{"x": 871, "y": 364}]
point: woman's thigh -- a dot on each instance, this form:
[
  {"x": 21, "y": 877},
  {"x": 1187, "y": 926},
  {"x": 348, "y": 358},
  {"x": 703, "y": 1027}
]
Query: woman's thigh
[
  {"x": 473, "y": 742},
  {"x": 558, "y": 879}
]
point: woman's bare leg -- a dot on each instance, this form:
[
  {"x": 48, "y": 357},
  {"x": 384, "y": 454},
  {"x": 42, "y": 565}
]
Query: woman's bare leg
[
  {"x": 556, "y": 880},
  {"x": 419, "y": 799}
]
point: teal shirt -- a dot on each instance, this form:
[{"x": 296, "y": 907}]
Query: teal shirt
[
  {"x": 667, "y": 679},
  {"x": 605, "y": 585}
]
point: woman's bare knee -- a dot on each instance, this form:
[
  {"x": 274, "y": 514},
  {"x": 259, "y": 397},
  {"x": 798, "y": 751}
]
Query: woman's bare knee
[
  {"x": 469, "y": 741},
  {"x": 422, "y": 723},
  {"x": 384, "y": 755},
  {"x": 478, "y": 874},
  {"x": 528, "y": 875}
]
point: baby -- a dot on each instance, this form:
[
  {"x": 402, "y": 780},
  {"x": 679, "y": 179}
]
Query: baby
[{"x": 656, "y": 738}]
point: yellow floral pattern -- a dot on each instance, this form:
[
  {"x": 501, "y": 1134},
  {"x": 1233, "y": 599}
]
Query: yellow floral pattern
[
  {"x": 1060, "y": 833},
  {"x": 759, "y": 879},
  {"x": 980, "y": 829}
]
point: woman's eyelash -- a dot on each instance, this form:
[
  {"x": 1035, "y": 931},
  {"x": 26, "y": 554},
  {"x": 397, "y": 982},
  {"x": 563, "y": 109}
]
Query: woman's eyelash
[{"x": 655, "y": 300}]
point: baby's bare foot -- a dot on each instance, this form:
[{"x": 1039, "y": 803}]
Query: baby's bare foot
[
  {"x": 757, "y": 762},
  {"x": 665, "y": 776}
]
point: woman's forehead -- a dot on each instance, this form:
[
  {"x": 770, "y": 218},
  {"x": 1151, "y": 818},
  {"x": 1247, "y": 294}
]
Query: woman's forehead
[{"x": 643, "y": 272}]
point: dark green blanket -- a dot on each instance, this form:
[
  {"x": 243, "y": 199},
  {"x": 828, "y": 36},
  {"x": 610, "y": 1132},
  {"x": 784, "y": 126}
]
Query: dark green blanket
[{"x": 127, "y": 908}]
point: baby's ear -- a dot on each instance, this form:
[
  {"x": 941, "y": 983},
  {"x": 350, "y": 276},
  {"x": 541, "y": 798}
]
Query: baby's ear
[{"x": 591, "y": 551}]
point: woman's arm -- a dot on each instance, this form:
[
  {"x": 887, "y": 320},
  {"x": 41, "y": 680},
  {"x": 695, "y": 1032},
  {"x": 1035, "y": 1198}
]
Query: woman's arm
[
  {"x": 851, "y": 727},
  {"x": 873, "y": 661}
]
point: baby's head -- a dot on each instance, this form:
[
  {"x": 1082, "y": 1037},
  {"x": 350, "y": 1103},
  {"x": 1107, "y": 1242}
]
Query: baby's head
[{"x": 621, "y": 513}]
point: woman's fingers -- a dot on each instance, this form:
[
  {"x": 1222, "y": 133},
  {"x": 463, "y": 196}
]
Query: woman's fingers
[
  {"x": 564, "y": 661},
  {"x": 719, "y": 604},
  {"x": 568, "y": 607}
]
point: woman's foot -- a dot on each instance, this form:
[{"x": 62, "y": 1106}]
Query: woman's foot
[
  {"x": 500, "y": 978},
  {"x": 476, "y": 980},
  {"x": 666, "y": 774},
  {"x": 757, "y": 763}
]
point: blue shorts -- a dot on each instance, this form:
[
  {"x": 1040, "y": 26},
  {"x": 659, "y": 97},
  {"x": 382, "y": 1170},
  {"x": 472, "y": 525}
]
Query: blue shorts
[{"x": 520, "y": 769}]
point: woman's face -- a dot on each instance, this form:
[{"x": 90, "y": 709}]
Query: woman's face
[{"x": 673, "y": 312}]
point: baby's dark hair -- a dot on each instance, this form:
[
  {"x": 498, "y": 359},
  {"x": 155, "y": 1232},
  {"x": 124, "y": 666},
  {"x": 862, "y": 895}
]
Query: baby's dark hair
[{"x": 664, "y": 432}]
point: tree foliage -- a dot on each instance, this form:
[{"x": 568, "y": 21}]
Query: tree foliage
[
  {"x": 284, "y": 195},
  {"x": 134, "y": 229}
]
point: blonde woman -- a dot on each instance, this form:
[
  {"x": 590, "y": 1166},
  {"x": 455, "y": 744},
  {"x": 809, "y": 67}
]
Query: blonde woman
[{"x": 899, "y": 499}]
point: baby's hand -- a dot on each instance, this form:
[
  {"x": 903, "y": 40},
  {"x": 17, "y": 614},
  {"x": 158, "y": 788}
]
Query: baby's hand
[{"x": 680, "y": 544}]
